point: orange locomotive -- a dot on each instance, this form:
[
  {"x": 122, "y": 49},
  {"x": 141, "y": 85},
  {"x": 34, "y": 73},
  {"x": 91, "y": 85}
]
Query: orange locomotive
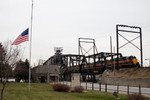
[
  {"x": 100, "y": 66},
  {"x": 124, "y": 62}
]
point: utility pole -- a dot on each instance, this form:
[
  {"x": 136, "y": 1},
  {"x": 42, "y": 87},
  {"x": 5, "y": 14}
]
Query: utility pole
[
  {"x": 114, "y": 62},
  {"x": 111, "y": 51}
]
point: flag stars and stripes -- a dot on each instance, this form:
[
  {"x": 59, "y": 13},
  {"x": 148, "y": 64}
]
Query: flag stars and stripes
[{"x": 24, "y": 36}]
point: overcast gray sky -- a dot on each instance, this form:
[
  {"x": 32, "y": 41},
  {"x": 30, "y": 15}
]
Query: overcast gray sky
[{"x": 59, "y": 23}]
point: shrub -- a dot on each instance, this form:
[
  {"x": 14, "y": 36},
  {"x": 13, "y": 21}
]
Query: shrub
[
  {"x": 66, "y": 88},
  {"x": 78, "y": 89},
  {"x": 61, "y": 87},
  {"x": 136, "y": 97}
]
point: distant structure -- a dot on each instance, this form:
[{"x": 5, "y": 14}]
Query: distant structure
[
  {"x": 58, "y": 50},
  {"x": 57, "y": 56}
]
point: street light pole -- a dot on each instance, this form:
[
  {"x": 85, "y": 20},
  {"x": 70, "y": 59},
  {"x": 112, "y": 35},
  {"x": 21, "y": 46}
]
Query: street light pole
[{"x": 149, "y": 61}]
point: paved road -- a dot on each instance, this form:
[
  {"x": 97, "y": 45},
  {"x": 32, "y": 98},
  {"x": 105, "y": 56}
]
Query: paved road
[{"x": 112, "y": 88}]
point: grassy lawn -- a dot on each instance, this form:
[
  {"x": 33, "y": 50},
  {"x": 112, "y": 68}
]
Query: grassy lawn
[{"x": 43, "y": 91}]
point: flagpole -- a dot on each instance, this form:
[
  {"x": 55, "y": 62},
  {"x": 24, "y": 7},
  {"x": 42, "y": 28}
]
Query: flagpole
[{"x": 30, "y": 45}]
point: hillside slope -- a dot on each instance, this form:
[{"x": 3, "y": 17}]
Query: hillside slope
[{"x": 129, "y": 73}]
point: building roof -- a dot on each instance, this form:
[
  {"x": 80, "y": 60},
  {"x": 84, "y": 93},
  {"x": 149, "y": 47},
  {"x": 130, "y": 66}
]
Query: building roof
[{"x": 52, "y": 69}]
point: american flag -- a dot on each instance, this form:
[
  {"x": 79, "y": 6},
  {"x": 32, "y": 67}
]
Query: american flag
[{"x": 24, "y": 36}]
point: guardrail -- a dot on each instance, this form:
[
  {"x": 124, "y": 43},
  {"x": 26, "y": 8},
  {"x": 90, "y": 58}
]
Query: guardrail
[{"x": 125, "y": 89}]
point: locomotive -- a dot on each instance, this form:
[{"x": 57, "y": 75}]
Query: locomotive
[
  {"x": 124, "y": 62},
  {"x": 100, "y": 66}
]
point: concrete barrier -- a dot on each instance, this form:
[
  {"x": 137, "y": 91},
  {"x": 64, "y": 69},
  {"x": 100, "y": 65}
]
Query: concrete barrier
[{"x": 126, "y": 81}]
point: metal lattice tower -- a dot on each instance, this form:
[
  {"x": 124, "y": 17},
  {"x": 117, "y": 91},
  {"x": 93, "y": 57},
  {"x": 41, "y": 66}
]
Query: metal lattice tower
[{"x": 131, "y": 29}]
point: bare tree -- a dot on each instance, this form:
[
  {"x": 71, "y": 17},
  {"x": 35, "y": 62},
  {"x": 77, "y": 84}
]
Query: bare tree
[
  {"x": 12, "y": 53},
  {"x": 9, "y": 55}
]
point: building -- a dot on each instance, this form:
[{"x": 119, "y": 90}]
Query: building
[{"x": 46, "y": 73}]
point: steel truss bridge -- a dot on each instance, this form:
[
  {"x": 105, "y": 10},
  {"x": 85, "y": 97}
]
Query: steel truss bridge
[
  {"x": 83, "y": 62},
  {"x": 71, "y": 63}
]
